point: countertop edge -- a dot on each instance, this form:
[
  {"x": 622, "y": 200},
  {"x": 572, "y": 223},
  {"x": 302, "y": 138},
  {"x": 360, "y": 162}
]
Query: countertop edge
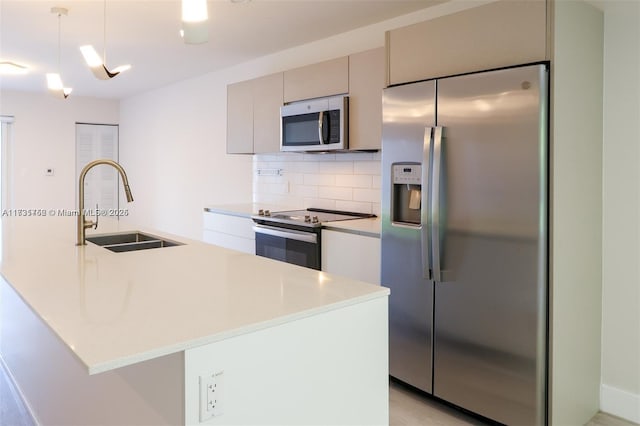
[
  {"x": 351, "y": 231},
  {"x": 184, "y": 346}
]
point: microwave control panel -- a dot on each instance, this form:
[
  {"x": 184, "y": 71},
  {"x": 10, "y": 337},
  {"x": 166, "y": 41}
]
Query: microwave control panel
[{"x": 410, "y": 174}]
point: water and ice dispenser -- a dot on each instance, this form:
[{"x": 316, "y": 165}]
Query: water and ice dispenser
[{"x": 407, "y": 193}]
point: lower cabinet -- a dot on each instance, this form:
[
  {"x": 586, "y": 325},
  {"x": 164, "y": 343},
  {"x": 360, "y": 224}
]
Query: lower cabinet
[
  {"x": 232, "y": 232},
  {"x": 351, "y": 255}
]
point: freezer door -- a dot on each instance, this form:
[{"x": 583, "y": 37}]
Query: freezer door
[
  {"x": 490, "y": 308},
  {"x": 408, "y": 113}
]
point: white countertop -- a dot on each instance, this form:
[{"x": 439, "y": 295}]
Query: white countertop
[
  {"x": 115, "y": 309},
  {"x": 368, "y": 227},
  {"x": 245, "y": 209}
]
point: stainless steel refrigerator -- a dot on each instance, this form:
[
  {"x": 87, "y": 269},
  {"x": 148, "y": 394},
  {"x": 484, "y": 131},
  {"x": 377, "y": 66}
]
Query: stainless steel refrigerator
[{"x": 464, "y": 239}]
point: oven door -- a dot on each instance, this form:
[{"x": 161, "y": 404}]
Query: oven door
[{"x": 288, "y": 245}]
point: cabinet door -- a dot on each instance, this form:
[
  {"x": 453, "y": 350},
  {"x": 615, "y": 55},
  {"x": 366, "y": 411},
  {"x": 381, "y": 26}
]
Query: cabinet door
[
  {"x": 495, "y": 35},
  {"x": 240, "y": 118},
  {"x": 267, "y": 100},
  {"x": 366, "y": 81},
  {"x": 313, "y": 81},
  {"x": 351, "y": 255}
]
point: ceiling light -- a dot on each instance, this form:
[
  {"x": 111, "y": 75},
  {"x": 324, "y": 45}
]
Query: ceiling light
[
  {"x": 195, "y": 25},
  {"x": 95, "y": 62},
  {"x": 7, "y": 67},
  {"x": 54, "y": 81}
]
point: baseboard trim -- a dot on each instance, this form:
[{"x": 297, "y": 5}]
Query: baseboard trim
[
  {"x": 620, "y": 403},
  {"x": 14, "y": 389}
]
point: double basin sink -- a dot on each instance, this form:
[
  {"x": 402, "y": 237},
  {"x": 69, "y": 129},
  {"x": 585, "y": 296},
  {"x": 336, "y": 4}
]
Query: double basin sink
[{"x": 131, "y": 241}]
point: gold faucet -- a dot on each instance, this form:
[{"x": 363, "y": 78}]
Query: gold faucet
[{"x": 82, "y": 223}]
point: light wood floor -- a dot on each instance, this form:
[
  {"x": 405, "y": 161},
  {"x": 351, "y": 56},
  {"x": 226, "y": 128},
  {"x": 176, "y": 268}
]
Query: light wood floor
[{"x": 406, "y": 408}]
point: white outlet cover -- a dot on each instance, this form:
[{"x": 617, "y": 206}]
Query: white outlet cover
[
  {"x": 210, "y": 395},
  {"x": 49, "y": 171}
]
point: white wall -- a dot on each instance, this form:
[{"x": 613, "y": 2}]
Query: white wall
[
  {"x": 44, "y": 136},
  {"x": 174, "y": 138},
  {"x": 576, "y": 212},
  {"x": 620, "y": 394}
]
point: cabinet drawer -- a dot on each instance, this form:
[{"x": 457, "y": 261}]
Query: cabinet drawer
[
  {"x": 232, "y": 242},
  {"x": 233, "y": 225}
]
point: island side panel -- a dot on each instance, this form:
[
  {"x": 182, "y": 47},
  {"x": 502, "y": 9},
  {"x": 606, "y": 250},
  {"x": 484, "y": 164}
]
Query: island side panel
[
  {"x": 58, "y": 390},
  {"x": 327, "y": 369}
]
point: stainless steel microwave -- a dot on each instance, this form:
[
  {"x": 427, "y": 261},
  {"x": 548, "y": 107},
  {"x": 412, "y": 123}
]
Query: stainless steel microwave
[{"x": 320, "y": 124}]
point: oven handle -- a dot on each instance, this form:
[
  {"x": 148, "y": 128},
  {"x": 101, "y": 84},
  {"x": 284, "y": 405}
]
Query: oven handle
[{"x": 307, "y": 237}]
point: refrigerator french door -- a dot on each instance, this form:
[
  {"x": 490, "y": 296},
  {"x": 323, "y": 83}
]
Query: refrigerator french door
[{"x": 464, "y": 239}]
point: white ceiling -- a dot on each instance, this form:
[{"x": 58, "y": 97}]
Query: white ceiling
[{"x": 144, "y": 33}]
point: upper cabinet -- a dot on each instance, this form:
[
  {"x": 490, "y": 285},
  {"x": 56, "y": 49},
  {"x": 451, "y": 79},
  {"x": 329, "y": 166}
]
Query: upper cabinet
[
  {"x": 253, "y": 106},
  {"x": 253, "y": 115},
  {"x": 366, "y": 81},
  {"x": 495, "y": 35},
  {"x": 313, "y": 81},
  {"x": 267, "y": 100},
  {"x": 240, "y": 118}
]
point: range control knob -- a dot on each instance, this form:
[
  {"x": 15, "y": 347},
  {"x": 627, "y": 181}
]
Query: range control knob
[
  {"x": 260, "y": 212},
  {"x": 307, "y": 218},
  {"x": 267, "y": 213},
  {"x": 315, "y": 219}
]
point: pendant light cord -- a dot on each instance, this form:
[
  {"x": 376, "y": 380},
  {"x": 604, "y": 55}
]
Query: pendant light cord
[
  {"x": 59, "y": 20},
  {"x": 104, "y": 35}
]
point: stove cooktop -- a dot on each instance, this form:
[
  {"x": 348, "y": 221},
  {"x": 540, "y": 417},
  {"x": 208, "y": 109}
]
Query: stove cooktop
[{"x": 311, "y": 217}]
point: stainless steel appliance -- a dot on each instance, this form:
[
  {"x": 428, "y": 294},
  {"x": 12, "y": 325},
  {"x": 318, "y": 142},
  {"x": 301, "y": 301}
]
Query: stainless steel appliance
[
  {"x": 464, "y": 239},
  {"x": 320, "y": 124},
  {"x": 294, "y": 236}
]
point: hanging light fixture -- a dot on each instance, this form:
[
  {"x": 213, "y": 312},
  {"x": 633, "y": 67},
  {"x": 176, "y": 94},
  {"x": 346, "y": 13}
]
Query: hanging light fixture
[
  {"x": 54, "y": 81},
  {"x": 8, "y": 67},
  {"x": 98, "y": 65},
  {"x": 195, "y": 28}
]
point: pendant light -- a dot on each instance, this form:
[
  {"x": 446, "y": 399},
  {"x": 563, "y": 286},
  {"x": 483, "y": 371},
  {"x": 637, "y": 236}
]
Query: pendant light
[
  {"x": 98, "y": 65},
  {"x": 8, "y": 67},
  {"x": 195, "y": 21},
  {"x": 54, "y": 81}
]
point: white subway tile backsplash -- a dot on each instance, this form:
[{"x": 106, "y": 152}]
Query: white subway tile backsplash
[
  {"x": 366, "y": 167},
  {"x": 342, "y": 181},
  {"x": 335, "y": 193},
  {"x": 304, "y": 191},
  {"x": 354, "y": 181},
  {"x": 344, "y": 168},
  {"x": 320, "y": 203},
  {"x": 324, "y": 180},
  {"x": 307, "y": 167},
  {"x": 319, "y": 157},
  {"x": 353, "y": 206},
  {"x": 370, "y": 195},
  {"x": 375, "y": 182}
]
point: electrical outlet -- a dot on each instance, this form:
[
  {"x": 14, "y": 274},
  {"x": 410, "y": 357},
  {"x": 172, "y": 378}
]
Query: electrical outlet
[
  {"x": 49, "y": 172},
  {"x": 211, "y": 395}
]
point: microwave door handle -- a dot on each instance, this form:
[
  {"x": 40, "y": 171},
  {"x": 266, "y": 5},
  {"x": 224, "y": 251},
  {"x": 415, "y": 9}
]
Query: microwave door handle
[{"x": 321, "y": 127}]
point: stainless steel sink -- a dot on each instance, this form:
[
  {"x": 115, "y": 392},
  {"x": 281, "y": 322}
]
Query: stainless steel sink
[{"x": 131, "y": 241}]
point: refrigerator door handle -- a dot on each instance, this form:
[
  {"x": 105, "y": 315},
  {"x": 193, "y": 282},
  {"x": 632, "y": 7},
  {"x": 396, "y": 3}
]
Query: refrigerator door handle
[
  {"x": 424, "y": 204},
  {"x": 436, "y": 171}
]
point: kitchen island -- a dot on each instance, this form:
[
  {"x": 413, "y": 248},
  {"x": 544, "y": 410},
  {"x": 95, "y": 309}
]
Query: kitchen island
[{"x": 91, "y": 336}]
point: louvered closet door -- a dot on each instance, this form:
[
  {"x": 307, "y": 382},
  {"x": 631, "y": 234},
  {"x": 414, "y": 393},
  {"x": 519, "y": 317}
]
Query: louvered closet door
[{"x": 93, "y": 142}]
